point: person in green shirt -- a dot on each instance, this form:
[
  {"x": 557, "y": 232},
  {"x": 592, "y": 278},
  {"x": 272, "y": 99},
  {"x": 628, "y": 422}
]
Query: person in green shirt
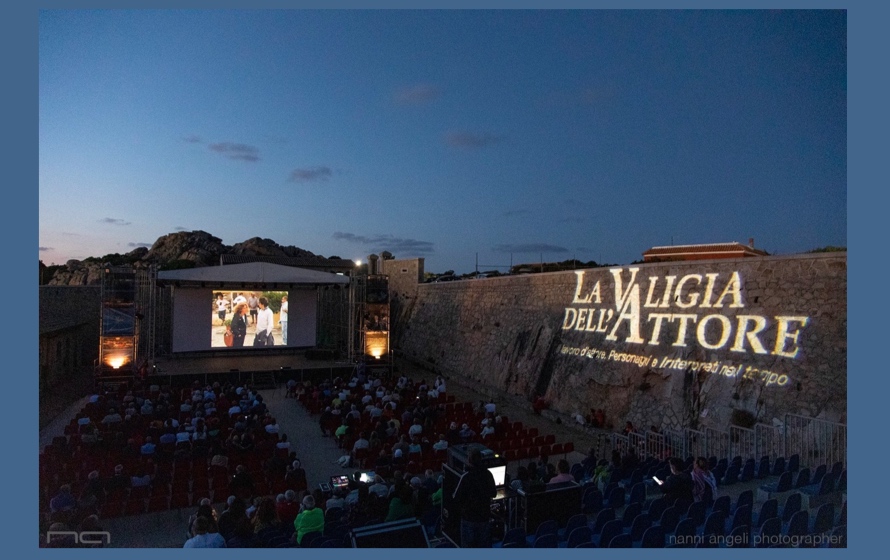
[
  {"x": 309, "y": 519},
  {"x": 401, "y": 506}
]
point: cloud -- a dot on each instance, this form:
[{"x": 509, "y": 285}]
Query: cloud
[
  {"x": 388, "y": 243},
  {"x": 304, "y": 174},
  {"x": 114, "y": 221},
  {"x": 180, "y": 228},
  {"x": 471, "y": 139},
  {"x": 529, "y": 248},
  {"x": 43, "y": 249},
  {"x": 192, "y": 139},
  {"x": 241, "y": 152},
  {"x": 132, "y": 244},
  {"x": 417, "y": 94},
  {"x": 511, "y": 213}
]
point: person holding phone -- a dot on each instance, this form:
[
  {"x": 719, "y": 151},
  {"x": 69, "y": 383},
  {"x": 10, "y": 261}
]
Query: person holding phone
[{"x": 678, "y": 485}]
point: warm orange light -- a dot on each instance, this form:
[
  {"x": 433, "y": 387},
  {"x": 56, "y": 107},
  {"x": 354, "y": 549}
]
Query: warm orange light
[
  {"x": 116, "y": 361},
  {"x": 376, "y": 344}
]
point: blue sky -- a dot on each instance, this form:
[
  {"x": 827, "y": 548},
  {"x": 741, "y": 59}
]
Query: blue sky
[{"x": 442, "y": 134}]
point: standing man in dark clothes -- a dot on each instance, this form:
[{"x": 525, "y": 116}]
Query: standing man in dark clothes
[
  {"x": 678, "y": 484},
  {"x": 473, "y": 496}
]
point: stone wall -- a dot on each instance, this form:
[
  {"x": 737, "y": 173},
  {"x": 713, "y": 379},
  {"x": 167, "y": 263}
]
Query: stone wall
[
  {"x": 684, "y": 344},
  {"x": 69, "y": 333},
  {"x": 404, "y": 275}
]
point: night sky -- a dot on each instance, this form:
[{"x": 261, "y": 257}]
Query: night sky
[{"x": 514, "y": 135}]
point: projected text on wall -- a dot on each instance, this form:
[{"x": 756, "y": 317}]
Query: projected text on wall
[{"x": 702, "y": 309}]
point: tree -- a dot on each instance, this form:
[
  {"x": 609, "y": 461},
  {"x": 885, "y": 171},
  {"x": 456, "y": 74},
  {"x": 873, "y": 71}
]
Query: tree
[{"x": 387, "y": 256}]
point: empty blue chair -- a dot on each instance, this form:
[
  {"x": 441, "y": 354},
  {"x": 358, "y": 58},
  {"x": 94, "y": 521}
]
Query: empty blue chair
[
  {"x": 653, "y": 537},
  {"x": 579, "y": 535},
  {"x": 826, "y": 486},
  {"x": 769, "y": 532},
  {"x": 669, "y": 519},
  {"x": 748, "y": 471},
  {"x": 732, "y": 475},
  {"x": 685, "y": 533},
  {"x": 637, "y": 493},
  {"x": 575, "y": 521},
  {"x": 746, "y": 498},
  {"x": 763, "y": 467},
  {"x": 513, "y": 537},
  {"x": 602, "y": 518},
  {"x": 719, "y": 472},
  {"x": 792, "y": 505},
  {"x": 740, "y": 537},
  {"x": 630, "y": 512},
  {"x": 657, "y": 507},
  {"x": 779, "y": 466},
  {"x": 621, "y": 540},
  {"x": 697, "y": 512},
  {"x": 820, "y": 472},
  {"x": 639, "y": 526},
  {"x": 309, "y": 538},
  {"x": 547, "y": 541},
  {"x": 837, "y": 469},
  {"x": 715, "y": 524},
  {"x": 799, "y": 525},
  {"x": 682, "y": 504},
  {"x": 586, "y": 545},
  {"x": 635, "y": 477},
  {"x": 592, "y": 501},
  {"x": 546, "y": 527},
  {"x": 742, "y": 516},
  {"x": 842, "y": 516},
  {"x": 768, "y": 510},
  {"x": 793, "y": 463},
  {"x": 824, "y": 519},
  {"x": 840, "y": 484},
  {"x": 616, "y": 498},
  {"x": 610, "y": 529},
  {"x": 783, "y": 484},
  {"x": 722, "y": 504},
  {"x": 803, "y": 478}
]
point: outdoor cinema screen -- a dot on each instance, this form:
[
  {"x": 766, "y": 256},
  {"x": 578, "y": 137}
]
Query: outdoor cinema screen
[{"x": 207, "y": 319}]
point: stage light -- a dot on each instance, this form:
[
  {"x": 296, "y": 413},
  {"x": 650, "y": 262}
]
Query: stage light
[
  {"x": 358, "y": 262},
  {"x": 116, "y": 361}
]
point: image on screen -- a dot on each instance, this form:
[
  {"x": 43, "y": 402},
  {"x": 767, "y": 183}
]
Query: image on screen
[
  {"x": 499, "y": 474},
  {"x": 254, "y": 319},
  {"x": 340, "y": 481}
]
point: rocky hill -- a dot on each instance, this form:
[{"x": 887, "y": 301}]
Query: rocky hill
[{"x": 185, "y": 249}]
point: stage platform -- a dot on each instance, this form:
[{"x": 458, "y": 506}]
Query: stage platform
[{"x": 239, "y": 367}]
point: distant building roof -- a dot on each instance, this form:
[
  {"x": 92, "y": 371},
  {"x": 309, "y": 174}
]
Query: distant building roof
[
  {"x": 257, "y": 273},
  {"x": 345, "y": 266},
  {"x": 705, "y": 251}
]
